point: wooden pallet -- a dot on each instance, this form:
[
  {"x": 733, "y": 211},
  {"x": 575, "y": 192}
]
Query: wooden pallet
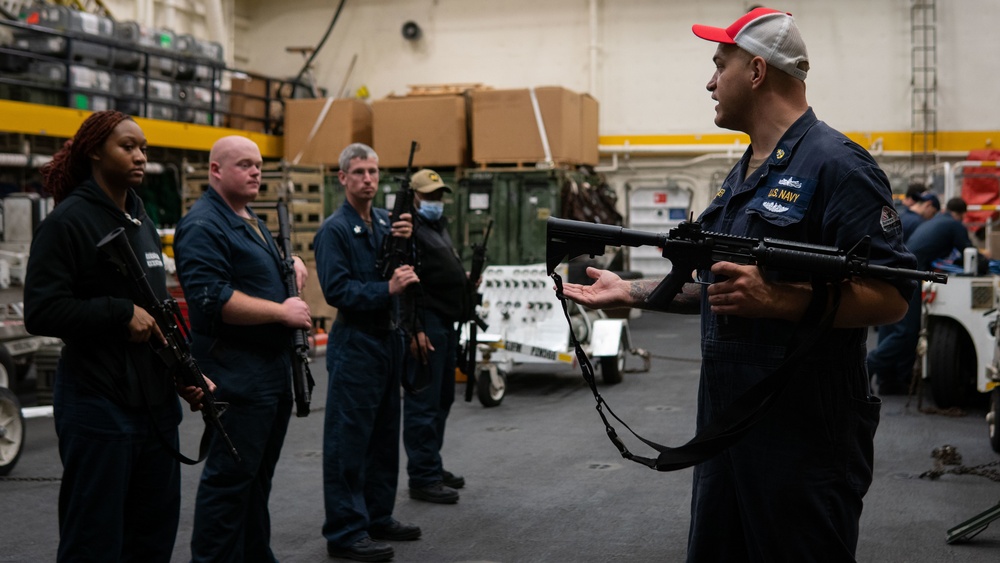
[
  {"x": 522, "y": 165},
  {"x": 445, "y": 89}
]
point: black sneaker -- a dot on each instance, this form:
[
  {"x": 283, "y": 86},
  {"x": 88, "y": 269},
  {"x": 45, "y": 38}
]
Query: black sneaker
[
  {"x": 436, "y": 493},
  {"x": 394, "y": 531},
  {"x": 362, "y": 550},
  {"x": 449, "y": 479}
]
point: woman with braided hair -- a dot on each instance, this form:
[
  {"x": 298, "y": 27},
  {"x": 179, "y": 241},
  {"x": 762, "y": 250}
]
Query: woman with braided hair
[{"x": 116, "y": 407}]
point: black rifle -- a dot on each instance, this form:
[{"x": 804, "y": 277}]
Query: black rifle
[
  {"x": 689, "y": 248},
  {"x": 177, "y": 353},
  {"x": 475, "y": 321},
  {"x": 397, "y": 251},
  {"x": 302, "y": 379}
]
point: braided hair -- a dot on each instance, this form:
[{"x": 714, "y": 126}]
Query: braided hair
[{"x": 70, "y": 166}]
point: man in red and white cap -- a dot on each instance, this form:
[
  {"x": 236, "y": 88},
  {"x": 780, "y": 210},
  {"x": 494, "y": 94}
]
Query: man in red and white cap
[{"x": 792, "y": 488}]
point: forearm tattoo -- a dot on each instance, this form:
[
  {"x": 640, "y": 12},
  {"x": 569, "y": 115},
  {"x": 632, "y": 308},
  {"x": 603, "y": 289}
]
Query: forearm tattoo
[
  {"x": 687, "y": 302},
  {"x": 639, "y": 290}
]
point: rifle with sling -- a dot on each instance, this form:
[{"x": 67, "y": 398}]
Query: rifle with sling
[
  {"x": 302, "y": 379},
  {"x": 475, "y": 321},
  {"x": 689, "y": 248},
  {"x": 177, "y": 353}
]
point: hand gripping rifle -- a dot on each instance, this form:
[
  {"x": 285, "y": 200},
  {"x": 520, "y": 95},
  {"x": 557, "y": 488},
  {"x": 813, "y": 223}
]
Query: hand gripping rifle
[
  {"x": 475, "y": 321},
  {"x": 397, "y": 251},
  {"x": 176, "y": 354},
  {"x": 302, "y": 379},
  {"x": 689, "y": 248}
]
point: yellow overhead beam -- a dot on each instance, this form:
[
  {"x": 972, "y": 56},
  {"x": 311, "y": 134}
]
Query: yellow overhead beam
[
  {"x": 893, "y": 141},
  {"x": 52, "y": 121}
]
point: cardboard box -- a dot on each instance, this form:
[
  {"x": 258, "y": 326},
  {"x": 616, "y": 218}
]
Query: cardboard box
[
  {"x": 246, "y": 105},
  {"x": 347, "y": 121},
  {"x": 590, "y": 135},
  {"x": 312, "y": 294},
  {"x": 504, "y": 128},
  {"x": 437, "y": 123}
]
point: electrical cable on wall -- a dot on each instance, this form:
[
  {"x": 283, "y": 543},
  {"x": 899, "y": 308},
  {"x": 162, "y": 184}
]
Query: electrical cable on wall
[{"x": 319, "y": 46}]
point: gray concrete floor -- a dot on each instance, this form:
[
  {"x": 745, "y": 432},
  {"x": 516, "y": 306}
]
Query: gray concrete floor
[{"x": 544, "y": 484}]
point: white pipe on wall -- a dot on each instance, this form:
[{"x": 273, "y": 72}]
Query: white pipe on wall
[
  {"x": 215, "y": 17},
  {"x": 592, "y": 82}
]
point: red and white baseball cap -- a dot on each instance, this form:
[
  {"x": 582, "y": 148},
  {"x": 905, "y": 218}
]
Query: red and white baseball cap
[{"x": 763, "y": 32}]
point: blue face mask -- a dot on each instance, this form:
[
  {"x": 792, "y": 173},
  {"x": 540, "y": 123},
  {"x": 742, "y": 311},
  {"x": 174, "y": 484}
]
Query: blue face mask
[{"x": 431, "y": 210}]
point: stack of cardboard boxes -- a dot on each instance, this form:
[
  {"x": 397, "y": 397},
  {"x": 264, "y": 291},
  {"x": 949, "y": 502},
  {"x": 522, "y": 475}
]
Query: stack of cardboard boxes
[
  {"x": 474, "y": 126},
  {"x": 507, "y": 127}
]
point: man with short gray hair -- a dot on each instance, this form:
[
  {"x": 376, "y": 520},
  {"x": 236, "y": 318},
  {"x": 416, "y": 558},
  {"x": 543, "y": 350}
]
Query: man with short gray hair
[{"x": 364, "y": 358}]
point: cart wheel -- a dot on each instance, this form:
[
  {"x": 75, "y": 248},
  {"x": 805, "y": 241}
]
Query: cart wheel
[
  {"x": 612, "y": 368},
  {"x": 11, "y": 430},
  {"x": 8, "y": 373},
  {"x": 951, "y": 367},
  {"x": 491, "y": 385},
  {"x": 993, "y": 419}
]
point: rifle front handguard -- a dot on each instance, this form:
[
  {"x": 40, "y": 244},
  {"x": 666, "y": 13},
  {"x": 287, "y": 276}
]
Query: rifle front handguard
[
  {"x": 302, "y": 379},
  {"x": 689, "y": 248}
]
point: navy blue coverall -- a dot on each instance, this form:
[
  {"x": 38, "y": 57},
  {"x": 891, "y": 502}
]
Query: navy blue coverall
[
  {"x": 217, "y": 253},
  {"x": 792, "y": 489},
  {"x": 364, "y": 361}
]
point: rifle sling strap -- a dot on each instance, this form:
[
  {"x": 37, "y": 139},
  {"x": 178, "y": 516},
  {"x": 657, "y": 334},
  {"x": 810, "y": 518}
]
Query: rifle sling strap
[
  {"x": 206, "y": 434},
  {"x": 733, "y": 423},
  {"x": 206, "y": 440}
]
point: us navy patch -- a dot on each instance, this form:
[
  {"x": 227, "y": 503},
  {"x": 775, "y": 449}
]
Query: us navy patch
[{"x": 783, "y": 199}]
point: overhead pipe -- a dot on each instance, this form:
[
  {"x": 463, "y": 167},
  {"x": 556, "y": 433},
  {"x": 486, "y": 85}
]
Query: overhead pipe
[{"x": 710, "y": 152}]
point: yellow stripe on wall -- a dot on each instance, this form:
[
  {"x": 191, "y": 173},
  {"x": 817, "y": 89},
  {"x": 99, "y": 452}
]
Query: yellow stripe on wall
[{"x": 947, "y": 141}]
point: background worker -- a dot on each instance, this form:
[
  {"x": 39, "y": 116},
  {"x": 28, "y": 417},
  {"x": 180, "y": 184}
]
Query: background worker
[
  {"x": 941, "y": 235},
  {"x": 241, "y": 321},
  {"x": 937, "y": 238},
  {"x": 807, "y": 464},
  {"x": 925, "y": 205},
  {"x": 890, "y": 363},
  {"x": 912, "y": 195},
  {"x": 445, "y": 302},
  {"x": 364, "y": 360},
  {"x": 115, "y": 403}
]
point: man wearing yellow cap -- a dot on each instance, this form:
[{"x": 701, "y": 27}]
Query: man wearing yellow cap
[{"x": 444, "y": 303}]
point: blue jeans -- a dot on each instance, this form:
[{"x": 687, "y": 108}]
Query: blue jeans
[{"x": 425, "y": 412}]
